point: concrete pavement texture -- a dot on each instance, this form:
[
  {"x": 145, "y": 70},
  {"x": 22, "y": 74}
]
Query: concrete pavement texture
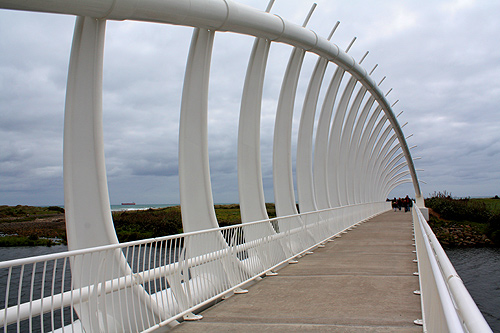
[{"x": 360, "y": 282}]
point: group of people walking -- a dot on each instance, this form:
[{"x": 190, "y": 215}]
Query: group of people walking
[{"x": 405, "y": 203}]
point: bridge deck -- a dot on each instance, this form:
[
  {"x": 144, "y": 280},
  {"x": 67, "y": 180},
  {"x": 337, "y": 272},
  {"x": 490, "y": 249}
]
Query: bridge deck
[{"x": 361, "y": 282}]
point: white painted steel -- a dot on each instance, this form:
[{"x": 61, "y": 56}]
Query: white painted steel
[
  {"x": 305, "y": 178},
  {"x": 376, "y": 158},
  {"x": 223, "y": 15},
  {"x": 284, "y": 196},
  {"x": 353, "y": 163},
  {"x": 334, "y": 141},
  {"x": 446, "y": 304},
  {"x": 380, "y": 167},
  {"x": 367, "y": 155},
  {"x": 345, "y": 145},
  {"x": 194, "y": 172},
  {"x": 304, "y": 165},
  {"x": 251, "y": 188},
  {"x": 85, "y": 185},
  {"x": 362, "y": 155},
  {"x": 155, "y": 267},
  {"x": 250, "y": 185},
  {"x": 320, "y": 167},
  {"x": 88, "y": 214},
  {"x": 355, "y": 149}
]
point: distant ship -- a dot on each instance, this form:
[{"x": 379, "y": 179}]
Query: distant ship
[{"x": 128, "y": 203}]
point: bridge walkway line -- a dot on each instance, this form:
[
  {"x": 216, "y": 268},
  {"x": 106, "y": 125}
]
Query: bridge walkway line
[{"x": 361, "y": 282}]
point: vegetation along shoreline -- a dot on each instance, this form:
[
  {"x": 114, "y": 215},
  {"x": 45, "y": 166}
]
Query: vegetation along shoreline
[{"x": 462, "y": 222}]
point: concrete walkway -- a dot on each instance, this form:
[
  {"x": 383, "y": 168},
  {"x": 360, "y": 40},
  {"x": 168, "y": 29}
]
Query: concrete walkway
[{"x": 361, "y": 282}]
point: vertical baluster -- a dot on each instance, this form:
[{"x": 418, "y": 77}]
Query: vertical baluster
[
  {"x": 42, "y": 294},
  {"x": 30, "y": 319},
  {"x": 63, "y": 280},
  {"x": 52, "y": 290},
  {"x": 18, "y": 321}
]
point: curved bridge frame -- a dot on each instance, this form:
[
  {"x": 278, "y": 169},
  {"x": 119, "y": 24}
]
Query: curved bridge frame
[
  {"x": 353, "y": 160},
  {"x": 357, "y": 139}
]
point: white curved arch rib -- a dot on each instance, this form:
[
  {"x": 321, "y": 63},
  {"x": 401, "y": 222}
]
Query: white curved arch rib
[
  {"x": 354, "y": 151},
  {"x": 362, "y": 154},
  {"x": 284, "y": 194},
  {"x": 84, "y": 168},
  {"x": 368, "y": 153},
  {"x": 198, "y": 211},
  {"x": 282, "y": 147},
  {"x": 250, "y": 186},
  {"x": 345, "y": 144},
  {"x": 333, "y": 160},
  {"x": 375, "y": 159},
  {"x": 251, "y": 190},
  {"x": 320, "y": 169},
  {"x": 194, "y": 171},
  {"x": 380, "y": 166},
  {"x": 305, "y": 184},
  {"x": 391, "y": 173},
  {"x": 88, "y": 214},
  {"x": 304, "y": 165}
]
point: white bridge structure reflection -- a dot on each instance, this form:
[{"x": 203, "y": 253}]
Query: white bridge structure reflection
[{"x": 360, "y": 155}]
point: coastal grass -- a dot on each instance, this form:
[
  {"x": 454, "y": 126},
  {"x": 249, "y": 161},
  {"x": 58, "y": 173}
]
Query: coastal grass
[
  {"x": 491, "y": 204},
  {"x": 27, "y": 213},
  {"x": 35, "y": 226},
  {"x": 133, "y": 225},
  {"x": 457, "y": 222}
]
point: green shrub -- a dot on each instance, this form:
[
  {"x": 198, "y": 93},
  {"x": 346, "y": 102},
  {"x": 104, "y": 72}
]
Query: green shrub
[
  {"x": 140, "y": 224},
  {"x": 493, "y": 229},
  {"x": 56, "y": 209},
  {"x": 462, "y": 209}
]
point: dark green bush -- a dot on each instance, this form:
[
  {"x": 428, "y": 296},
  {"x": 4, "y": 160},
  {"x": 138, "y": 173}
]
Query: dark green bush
[
  {"x": 56, "y": 209},
  {"x": 140, "y": 224},
  {"x": 462, "y": 209},
  {"x": 493, "y": 230}
]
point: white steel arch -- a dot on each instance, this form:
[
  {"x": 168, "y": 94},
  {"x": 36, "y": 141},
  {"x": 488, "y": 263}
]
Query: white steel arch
[
  {"x": 353, "y": 160},
  {"x": 224, "y": 15}
]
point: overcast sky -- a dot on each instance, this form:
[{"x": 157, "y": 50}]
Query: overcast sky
[{"x": 441, "y": 57}]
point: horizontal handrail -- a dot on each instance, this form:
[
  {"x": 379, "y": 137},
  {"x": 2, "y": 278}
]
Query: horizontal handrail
[
  {"x": 325, "y": 224},
  {"x": 458, "y": 308},
  {"x": 61, "y": 255}
]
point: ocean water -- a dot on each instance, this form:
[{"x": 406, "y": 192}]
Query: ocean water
[{"x": 115, "y": 208}]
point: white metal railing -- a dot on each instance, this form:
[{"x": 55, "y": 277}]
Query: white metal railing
[
  {"x": 157, "y": 280},
  {"x": 446, "y": 304}
]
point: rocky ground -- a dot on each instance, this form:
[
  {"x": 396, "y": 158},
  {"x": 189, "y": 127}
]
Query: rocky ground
[{"x": 454, "y": 234}]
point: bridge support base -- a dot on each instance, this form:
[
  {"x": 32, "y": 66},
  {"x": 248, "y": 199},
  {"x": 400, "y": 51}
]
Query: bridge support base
[
  {"x": 240, "y": 291},
  {"x": 425, "y": 212},
  {"x": 192, "y": 317}
]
